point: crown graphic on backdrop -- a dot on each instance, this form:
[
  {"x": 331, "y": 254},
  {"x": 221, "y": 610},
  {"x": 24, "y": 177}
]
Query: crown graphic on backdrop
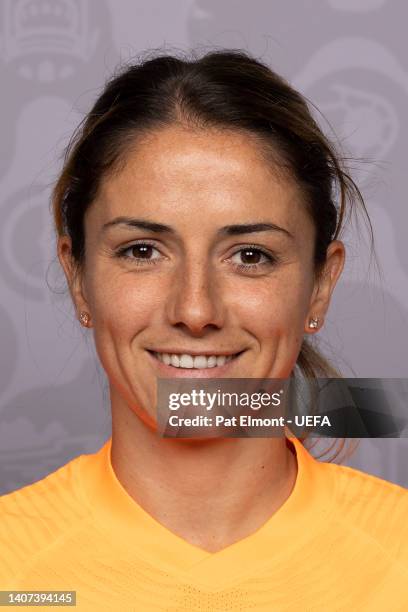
[{"x": 47, "y": 28}]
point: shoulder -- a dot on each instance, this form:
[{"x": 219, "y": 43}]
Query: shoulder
[
  {"x": 372, "y": 510},
  {"x": 36, "y": 515}
]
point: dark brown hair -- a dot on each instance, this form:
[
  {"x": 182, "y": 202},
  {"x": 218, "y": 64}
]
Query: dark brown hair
[{"x": 223, "y": 89}]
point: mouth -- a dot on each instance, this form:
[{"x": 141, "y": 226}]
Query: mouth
[{"x": 194, "y": 365}]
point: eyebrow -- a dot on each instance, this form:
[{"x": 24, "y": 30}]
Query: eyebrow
[
  {"x": 248, "y": 228},
  {"x": 138, "y": 223},
  {"x": 227, "y": 230}
]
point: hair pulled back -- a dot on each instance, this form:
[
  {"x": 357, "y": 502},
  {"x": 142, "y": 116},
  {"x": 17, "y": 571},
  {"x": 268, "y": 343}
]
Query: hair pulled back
[{"x": 225, "y": 89}]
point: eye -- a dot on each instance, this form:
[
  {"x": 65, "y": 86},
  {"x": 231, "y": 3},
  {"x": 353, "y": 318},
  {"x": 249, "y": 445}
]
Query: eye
[
  {"x": 140, "y": 253},
  {"x": 252, "y": 258}
]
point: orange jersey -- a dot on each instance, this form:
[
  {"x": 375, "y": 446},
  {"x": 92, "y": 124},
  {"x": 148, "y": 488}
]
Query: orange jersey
[{"x": 339, "y": 542}]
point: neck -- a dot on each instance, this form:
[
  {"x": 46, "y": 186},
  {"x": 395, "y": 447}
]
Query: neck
[{"x": 211, "y": 493}]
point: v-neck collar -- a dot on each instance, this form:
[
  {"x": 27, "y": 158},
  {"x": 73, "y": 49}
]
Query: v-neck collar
[{"x": 286, "y": 532}]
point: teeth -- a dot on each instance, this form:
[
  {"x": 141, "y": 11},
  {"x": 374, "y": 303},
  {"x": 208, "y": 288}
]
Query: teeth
[
  {"x": 175, "y": 361},
  {"x": 193, "y": 362},
  {"x": 200, "y": 361},
  {"x": 166, "y": 359},
  {"x": 186, "y": 361},
  {"x": 212, "y": 361}
]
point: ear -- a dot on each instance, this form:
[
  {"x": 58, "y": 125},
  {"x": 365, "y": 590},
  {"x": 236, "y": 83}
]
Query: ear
[
  {"x": 324, "y": 285},
  {"x": 74, "y": 277}
]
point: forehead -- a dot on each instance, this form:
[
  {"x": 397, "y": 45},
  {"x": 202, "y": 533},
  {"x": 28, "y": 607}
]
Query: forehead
[{"x": 177, "y": 171}]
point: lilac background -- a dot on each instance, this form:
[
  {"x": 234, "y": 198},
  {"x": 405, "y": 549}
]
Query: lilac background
[{"x": 348, "y": 56}]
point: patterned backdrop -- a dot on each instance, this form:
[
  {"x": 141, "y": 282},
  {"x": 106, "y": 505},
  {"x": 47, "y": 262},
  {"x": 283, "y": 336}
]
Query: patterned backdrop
[{"x": 347, "y": 56}]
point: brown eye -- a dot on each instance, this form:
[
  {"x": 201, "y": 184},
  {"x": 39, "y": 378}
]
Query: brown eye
[
  {"x": 250, "y": 256},
  {"x": 142, "y": 251}
]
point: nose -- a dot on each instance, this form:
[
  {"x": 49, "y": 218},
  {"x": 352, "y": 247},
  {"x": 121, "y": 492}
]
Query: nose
[{"x": 195, "y": 302}]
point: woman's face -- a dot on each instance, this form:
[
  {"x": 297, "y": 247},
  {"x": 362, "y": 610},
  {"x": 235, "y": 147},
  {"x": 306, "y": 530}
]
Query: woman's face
[{"x": 199, "y": 263}]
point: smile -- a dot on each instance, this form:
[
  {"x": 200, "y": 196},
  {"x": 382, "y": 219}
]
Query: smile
[{"x": 191, "y": 362}]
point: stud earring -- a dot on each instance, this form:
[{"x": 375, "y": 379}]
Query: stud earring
[
  {"x": 313, "y": 323},
  {"x": 84, "y": 318}
]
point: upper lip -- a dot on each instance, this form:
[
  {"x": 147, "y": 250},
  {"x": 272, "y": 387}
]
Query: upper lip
[{"x": 194, "y": 353}]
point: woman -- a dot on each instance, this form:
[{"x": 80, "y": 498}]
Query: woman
[{"x": 198, "y": 231}]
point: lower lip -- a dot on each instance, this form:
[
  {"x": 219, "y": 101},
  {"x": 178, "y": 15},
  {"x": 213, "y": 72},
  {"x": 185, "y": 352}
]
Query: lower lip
[{"x": 173, "y": 372}]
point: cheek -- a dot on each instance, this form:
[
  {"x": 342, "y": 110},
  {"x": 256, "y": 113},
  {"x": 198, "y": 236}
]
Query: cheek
[
  {"x": 276, "y": 305},
  {"x": 122, "y": 307},
  {"x": 274, "y": 316}
]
